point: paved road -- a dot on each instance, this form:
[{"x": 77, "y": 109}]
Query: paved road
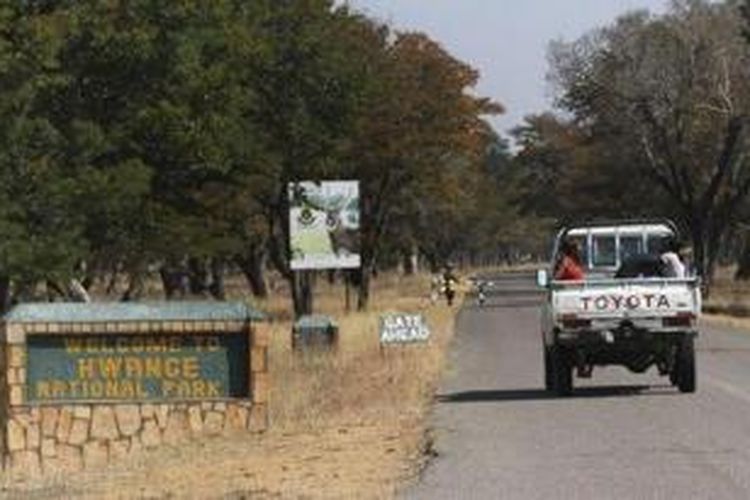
[{"x": 621, "y": 436}]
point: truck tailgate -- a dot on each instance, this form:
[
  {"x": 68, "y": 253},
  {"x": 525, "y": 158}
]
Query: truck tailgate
[{"x": 626, "y": 298}]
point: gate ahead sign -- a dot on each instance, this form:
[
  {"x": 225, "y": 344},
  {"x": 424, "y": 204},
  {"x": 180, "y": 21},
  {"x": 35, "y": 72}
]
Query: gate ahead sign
[{"x": 403, "y": 328}]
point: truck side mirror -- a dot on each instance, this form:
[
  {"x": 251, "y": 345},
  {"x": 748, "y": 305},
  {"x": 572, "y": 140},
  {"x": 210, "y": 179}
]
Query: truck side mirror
[{"x": 542, "y": 280}]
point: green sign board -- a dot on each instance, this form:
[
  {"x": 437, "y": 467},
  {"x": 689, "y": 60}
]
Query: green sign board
[{"x": 116, "y": 367}]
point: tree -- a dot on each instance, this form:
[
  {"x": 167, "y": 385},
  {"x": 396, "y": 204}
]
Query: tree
[
  {"x": 674, "y": 89},
  {"x": 40, "y": 226},
  {"x": 418, "y": 139}
]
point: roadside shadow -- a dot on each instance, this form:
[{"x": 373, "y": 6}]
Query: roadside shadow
[{"x": 607, "y": 391}]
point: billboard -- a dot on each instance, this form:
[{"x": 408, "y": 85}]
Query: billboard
[{"x": 324, "y": 225}]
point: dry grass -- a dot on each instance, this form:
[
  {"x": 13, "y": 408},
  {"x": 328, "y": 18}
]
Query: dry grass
[
  {"x": 359, "y": 381},
  {"x": 728, "y": 293}
]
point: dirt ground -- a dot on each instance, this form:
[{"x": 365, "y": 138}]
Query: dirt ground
[{"x": 350, "y": 460}]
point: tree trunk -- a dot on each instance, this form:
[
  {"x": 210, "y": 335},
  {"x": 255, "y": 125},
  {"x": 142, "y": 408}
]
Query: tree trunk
[
  {"x": 217, "y": 279},
  {"x": 409, "y": 260},
  {"x": 54, "y": 290},
  {"x": 4, "y": 294},
  {"x": 301, "y": 284},
  {"x": 197, "y": 276},
  {"x": 363, "y": 285},
  {"x": 252, "y": 265},
  {"x": 135, "y": 287},
  {"x": 172, "y": 279},
  {"x": 743, "y": 264}
]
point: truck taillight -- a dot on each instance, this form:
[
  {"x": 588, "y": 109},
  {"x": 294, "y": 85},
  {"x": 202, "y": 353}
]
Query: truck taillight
[
  {"x": 682, "y": 319},
  {"x": 573, "y": 321}
]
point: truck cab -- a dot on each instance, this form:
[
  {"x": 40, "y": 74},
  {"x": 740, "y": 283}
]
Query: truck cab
[{"x": 626, "y": 311}]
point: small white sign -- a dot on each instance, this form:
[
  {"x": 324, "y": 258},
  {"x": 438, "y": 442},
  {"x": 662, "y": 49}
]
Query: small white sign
[{"x": 402, "y": 328}]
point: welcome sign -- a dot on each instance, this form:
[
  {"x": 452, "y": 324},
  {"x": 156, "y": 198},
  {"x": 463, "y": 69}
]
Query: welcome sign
[{"x": 111, "y": 367}]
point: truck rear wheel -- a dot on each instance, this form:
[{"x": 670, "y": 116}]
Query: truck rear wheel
[
  {"x": 562, "y": 371},
  {"x": 549, "y": 377},
  {"x": 685, "y": 365}
]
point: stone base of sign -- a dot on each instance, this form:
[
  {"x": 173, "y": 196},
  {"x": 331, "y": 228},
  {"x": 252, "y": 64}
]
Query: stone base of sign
[
  {"x": 48, "y": 439},
  {"x": 37, "y": 438}
]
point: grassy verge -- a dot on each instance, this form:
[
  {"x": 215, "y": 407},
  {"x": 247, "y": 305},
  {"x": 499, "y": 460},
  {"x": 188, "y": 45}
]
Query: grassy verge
[
  {"x": 359, "y": 380},
  {"x": 729, "y": 301}
]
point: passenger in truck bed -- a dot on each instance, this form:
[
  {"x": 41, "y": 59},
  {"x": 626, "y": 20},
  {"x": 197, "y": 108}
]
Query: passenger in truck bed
[
  {"x": 666, "y": 265},
  {"x": 641, "y": 266},
  {"x": 670, "y": 257},
  {"x": 568, "y": 266}
]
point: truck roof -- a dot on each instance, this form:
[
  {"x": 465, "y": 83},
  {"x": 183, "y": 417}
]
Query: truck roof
[
  {"x": 639, "y": 226},
  {"x": 664, "y": 229}
]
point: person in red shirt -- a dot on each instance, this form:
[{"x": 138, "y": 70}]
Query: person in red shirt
[{"x": 569, "y": 267}]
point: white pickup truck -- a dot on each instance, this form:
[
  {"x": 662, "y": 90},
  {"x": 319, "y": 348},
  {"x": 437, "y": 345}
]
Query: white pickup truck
[{"x": 625, "y": 312}]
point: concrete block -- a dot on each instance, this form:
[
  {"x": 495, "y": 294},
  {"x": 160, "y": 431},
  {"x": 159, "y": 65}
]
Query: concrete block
[
  {"x": 213, "y": 423},
  {"x": 261, "y": 334},
  {"x": 16, "y": 356},
  {"x": 259, "y": 359},
  {"x": 49, "y": 448},
  {"x": 15, "y": 334},
  {"x": 128, "y": 419},
  {"x": 33, "y": 436},
  {"x": 49, "y": 416},
  {"x": 16, "y": 436},
  {"x": 16, "y": 395},
  {"x": 79, "y": 432},
  {"x": 162, "y": 412},
  {"x": 82, "y": 411},
  {"x": 178, "y": 428},
  {"x": 236, "y": 417},
  {"x": 103, "y": 424},
  {"x": 259, "y": 387},
  {"x": 64, "y": 424}
]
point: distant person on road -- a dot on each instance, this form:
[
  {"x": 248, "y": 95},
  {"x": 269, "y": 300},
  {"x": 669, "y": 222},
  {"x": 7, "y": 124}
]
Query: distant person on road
[
  {"x": 449, "y": 283},
  {"x": 671, "y": 260},
  {"x": 569, "y": 267}
]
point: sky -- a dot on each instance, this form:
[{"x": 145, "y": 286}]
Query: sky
[{"x": 506, "y": 40}]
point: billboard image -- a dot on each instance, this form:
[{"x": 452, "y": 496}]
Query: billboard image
[{"x": 324, "y": 225}]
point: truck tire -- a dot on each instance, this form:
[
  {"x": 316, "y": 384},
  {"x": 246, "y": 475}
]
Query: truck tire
[
  {"x": 549, "y": 378},
  {"x": 562, "y": 371},
  {"x": 685, "y": 365}
]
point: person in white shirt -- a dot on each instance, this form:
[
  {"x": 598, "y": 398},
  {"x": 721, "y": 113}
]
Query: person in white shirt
[{"x": 670, "y": 257}]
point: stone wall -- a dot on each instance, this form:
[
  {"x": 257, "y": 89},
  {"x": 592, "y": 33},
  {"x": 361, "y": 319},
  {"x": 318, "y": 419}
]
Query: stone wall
[{"x": 37, "y": 438}]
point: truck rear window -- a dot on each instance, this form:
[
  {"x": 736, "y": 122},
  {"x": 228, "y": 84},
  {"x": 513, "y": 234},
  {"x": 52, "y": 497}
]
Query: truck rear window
[
  {"x": 630, "y": 246},
  {"x": 605, "y": 251},
  {"x": 656, "y": 243}
]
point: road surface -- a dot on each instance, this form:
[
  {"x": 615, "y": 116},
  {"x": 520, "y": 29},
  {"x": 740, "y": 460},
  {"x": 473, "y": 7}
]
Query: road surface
[{"x": 620, "y": 436}]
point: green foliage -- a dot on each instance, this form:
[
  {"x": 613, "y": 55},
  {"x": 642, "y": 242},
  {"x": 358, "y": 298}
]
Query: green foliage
[{"x": 146, "y": 132}]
